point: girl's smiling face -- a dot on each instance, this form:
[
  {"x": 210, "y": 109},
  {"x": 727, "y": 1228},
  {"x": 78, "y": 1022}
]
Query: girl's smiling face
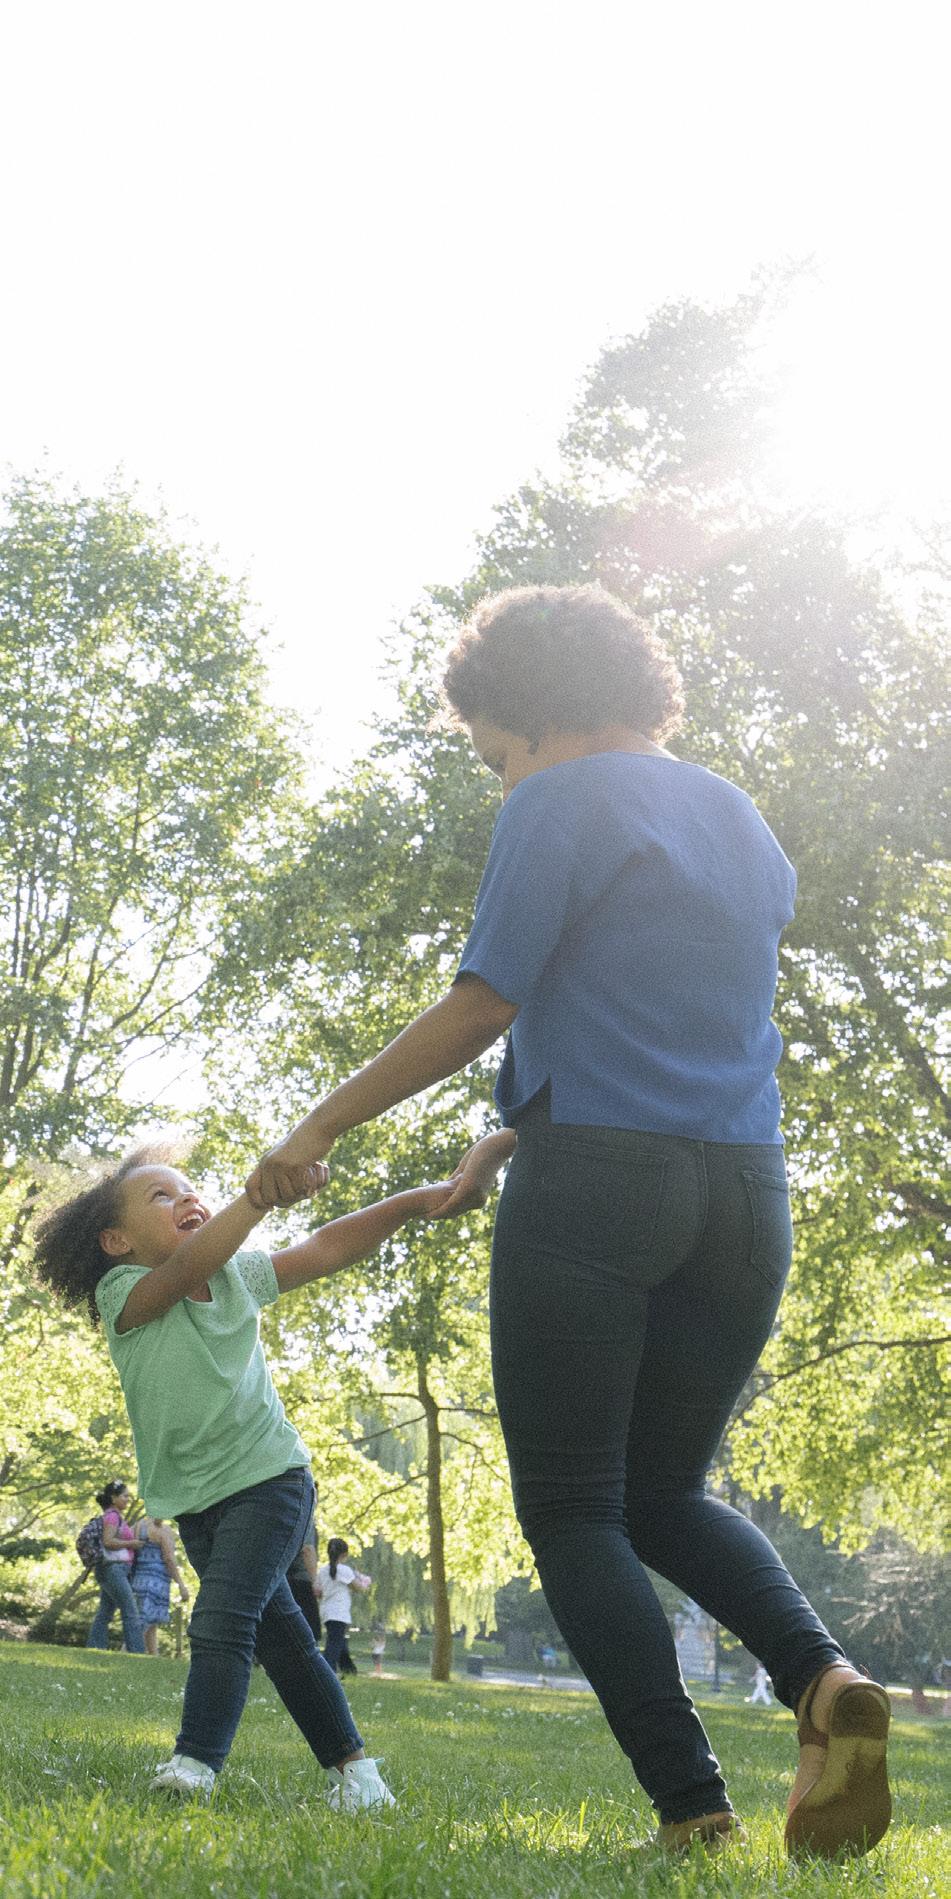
[{"x": 158, "y": 1209}]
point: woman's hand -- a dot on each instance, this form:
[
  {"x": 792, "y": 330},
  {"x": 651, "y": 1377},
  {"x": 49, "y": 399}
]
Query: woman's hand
[
  {"x": 183, "y": 1592},
  {"x": 293, "y": 1170},
  {"x": 430, "y": 1199},
  {"x": 475, "y": 1175}
]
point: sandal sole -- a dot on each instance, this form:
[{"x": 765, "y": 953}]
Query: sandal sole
[{"x": 849, "y": 1808}]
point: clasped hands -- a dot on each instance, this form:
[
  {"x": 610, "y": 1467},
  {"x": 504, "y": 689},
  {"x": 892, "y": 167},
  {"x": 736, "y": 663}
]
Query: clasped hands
[{"x": 295, "y": 1170}]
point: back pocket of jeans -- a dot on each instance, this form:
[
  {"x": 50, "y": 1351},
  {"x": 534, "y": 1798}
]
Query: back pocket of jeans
[
  {"x": 595, "y": 1203},
  {"x": 771, "y": 1246}
]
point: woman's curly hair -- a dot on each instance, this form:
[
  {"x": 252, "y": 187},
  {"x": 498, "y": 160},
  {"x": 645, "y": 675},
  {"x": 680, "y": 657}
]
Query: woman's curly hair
[
  {"x": 68, "y": 1254},
  {"x": 566, "y": 659}
]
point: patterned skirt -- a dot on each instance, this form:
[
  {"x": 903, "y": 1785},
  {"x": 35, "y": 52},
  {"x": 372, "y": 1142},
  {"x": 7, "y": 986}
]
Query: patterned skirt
[{"x": 151, "y": 1589}]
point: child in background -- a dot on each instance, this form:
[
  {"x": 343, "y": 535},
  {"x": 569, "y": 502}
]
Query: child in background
[
  {"x": 180, "y": 1303},
  {"x": 378, "y": 1647},
  {"x": 335, "y": 1582}
]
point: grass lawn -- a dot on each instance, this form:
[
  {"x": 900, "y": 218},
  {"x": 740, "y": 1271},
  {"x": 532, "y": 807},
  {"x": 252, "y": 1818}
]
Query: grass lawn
[{"x": 502, "y": 1792}]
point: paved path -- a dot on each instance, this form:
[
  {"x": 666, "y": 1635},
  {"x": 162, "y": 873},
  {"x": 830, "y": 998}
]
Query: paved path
[{"x": 516, "y": 1680}]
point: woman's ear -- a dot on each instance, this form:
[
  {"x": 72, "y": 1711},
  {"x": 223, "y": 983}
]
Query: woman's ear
[{"x": 115, "y": 1242}]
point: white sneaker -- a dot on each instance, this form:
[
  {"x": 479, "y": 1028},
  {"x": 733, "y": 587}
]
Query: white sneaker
[
  {"x": 183, "y": 1775},
  {"x": 358, "y": 1787}
]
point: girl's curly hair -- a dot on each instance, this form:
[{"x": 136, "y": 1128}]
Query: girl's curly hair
[
  {"x": 566, "y": 659},
  {"x": 68, "y": 1255}
]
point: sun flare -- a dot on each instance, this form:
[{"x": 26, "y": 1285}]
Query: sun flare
[{"x": 865, "y": 410}]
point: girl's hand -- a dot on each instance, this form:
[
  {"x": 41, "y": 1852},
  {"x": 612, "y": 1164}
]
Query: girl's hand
[
  {"x": 475, "y": 1175},
  {"x": 289, "y": 1171},
  {"x": 276, "y": 1183}
]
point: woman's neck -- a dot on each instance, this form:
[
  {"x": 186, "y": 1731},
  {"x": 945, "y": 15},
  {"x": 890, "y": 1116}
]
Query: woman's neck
[{"x": 559, "y": 748}]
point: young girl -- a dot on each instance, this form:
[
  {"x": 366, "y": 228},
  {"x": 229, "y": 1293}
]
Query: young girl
[
  {"x": 336, "y": 1581},
  {"x": 155, "y": 1569},
  {"x": 180, "y": 1303}
]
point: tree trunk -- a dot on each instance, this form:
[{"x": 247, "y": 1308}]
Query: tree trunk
[
  {"x": 44, "y": 1627},
  {"x": 442, "y": 1626}
]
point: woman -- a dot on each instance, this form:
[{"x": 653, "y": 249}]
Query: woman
[
  {"x": 626, "y": 930},
  {"x": 155, "y": 1570},
  {"x": 335, "y": 1582},
  {"x": 113, "y": 1571},
  {"x": 302, "y": 1580}
]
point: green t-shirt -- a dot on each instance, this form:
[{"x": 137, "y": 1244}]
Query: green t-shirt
[{"x": 205, "y": 1416}]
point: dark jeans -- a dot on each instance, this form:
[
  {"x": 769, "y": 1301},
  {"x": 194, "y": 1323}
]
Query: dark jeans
[
  {"x": 336, "y": 1648},
  {"x": 241, "y": 1548},
  {"x": 635, "y": 1280},
  {"x": 115, "y": 1592}
]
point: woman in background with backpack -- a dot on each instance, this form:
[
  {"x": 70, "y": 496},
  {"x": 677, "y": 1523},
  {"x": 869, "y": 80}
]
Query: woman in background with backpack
[{"x": 112, "y": 1569}]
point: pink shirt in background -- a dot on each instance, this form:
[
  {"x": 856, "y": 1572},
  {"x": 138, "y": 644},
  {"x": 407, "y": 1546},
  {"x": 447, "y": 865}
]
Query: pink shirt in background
[{"x": 111, "y": 1520}]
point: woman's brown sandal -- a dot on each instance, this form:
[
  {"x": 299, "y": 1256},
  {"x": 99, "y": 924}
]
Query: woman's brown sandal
[{"x": 847, "y": 1810}]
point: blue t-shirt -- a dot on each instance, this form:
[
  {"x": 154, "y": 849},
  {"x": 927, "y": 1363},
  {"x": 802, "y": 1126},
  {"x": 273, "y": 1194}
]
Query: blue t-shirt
[{"x": 631, "y": 906}]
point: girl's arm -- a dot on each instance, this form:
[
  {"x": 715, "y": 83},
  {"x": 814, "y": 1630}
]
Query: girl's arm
[
  {"x": 202, "y": 1254},
  {"x": 361, "y": 1582},
  {"x": 342, "y": 1242},
  {"x": 463, "y": 1024}
]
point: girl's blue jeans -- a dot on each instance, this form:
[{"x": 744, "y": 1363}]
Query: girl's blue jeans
[
  {"x": 635, "y": 1280},
  {"x": 335, "y": 1641},
  {"x": 241, "y": 1548},
  {"x": 115, "y": 1592}
]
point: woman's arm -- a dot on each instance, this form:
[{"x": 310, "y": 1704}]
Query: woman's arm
[
  {"x": 342, "y": 1242},
  {"x": 201, "y": 1254},
  {"x": 163, "y": 1537},
  {"x": 463, "y": 1024},
  {"x": 308, "y": 1556},
  {"x": 113, "y": 1539}
]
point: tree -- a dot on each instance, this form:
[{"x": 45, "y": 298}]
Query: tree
[
  {"x": 141, "y": 768},
  {"x": 812, "y": 688},
  {"x": 143, "y": 777},
  {"x": 811, "y": 685}
]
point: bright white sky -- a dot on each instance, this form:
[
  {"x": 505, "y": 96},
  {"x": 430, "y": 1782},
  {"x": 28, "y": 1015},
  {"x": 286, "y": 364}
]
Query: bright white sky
[{"x": 328, "y": 277}]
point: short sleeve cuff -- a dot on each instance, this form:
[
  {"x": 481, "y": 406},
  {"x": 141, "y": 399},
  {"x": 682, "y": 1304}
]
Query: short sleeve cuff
[
  {"x": 258, "y": 1275},
  {"x": 113, "y": 1290}
]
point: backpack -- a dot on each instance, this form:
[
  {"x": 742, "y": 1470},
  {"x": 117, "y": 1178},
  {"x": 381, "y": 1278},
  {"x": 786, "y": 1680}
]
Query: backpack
[{"x": 89, "y": 1542}]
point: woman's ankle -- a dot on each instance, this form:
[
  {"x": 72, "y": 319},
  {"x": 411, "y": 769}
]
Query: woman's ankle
[{"x": 819, "y": 1691}]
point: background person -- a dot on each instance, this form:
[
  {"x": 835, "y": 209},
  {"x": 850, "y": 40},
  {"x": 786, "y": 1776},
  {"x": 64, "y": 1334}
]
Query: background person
[
  {"x": 302, "y": 1581},
  {"x": 378, "y": 1647},
  {"x": 113, "y": 1572},
  {"x": 760, "y": 1688},
  {"x": 626, "y": 931},
  {"x": 156, "y": 1568},
  {"x": 336, "y": 1581}
]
